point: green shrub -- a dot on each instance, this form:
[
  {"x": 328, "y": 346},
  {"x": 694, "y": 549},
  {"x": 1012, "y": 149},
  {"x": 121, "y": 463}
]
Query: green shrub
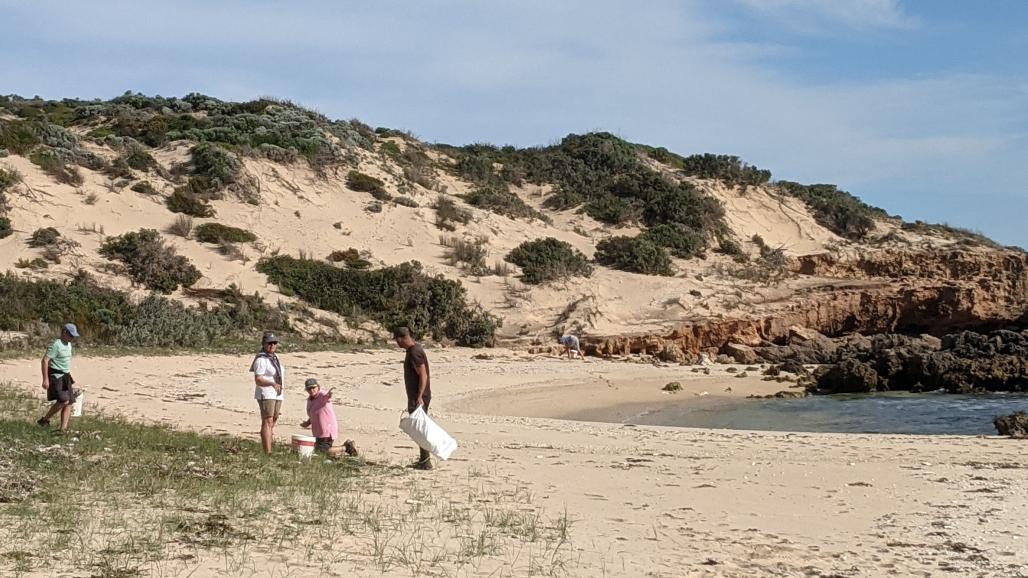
[
  {"x": 119, "y": 169},
  {"x": 351, "y": 257},
  {"x": 5, "y": 228},
  {"x": 549, "y": 259},
  {"x": 680, "y": 240},
  {"x": 406, "y": 202},
  {"x": 727, "y": 168},
  {"x": 144, "y": 187},
  {"x": 140, "y": 160},
  {"x": 219, "y": 166},
  {"x": 53, "y": 165},
  {"x": 362, "y": 183},
  {"x": 392, "y": 296},
  {"x": 634, "y": 254},
  {"x": 189, "y": 204},
  {"x": 216, "y": 233},
  {"x": 108, "y": 316},
  {"x": 44, "y": 237},
  {"x": 727, "y": 245},
  {"x": 150, "y": 261},
  {"x": 447, "y": 214},
  {"x": 502, "y": 202},
  {"x": 836, "y": 210},
  {"x": 17, "y": 136}
]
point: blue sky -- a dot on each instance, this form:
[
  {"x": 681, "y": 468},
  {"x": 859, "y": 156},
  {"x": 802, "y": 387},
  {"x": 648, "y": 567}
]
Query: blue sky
[{"x": 920, "y": 107}]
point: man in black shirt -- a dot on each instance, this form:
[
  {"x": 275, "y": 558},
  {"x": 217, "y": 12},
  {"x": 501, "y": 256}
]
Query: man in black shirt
[{"x": 418, "y": 382}]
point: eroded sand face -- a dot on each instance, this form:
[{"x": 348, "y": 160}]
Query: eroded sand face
[{"x": 646, "y": 501}]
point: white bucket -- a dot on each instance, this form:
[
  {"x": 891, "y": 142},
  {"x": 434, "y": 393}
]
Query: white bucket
[
  {"x": 303, "y": 445},
  {"x": 76, "y": 407}
]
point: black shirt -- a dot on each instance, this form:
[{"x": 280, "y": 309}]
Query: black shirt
[{"x": 415, "y": 357}]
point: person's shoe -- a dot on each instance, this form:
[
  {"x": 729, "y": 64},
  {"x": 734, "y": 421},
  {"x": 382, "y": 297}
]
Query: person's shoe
[
  {"x": 43, "y": 422},
  {"x": 422, "y": 465},
  {"x": 351, "y": 448}
]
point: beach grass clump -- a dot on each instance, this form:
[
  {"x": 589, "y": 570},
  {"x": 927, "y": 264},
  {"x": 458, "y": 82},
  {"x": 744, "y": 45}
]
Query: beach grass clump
[
  {"x": 467, "y": 254},
  {"x": 187, "y": 203},
  {"x": 18, "y": 136},
  {"x": 150, "y": 261},
  {"x": 182, "y": 226},
  {"x": 549, "y": 259},
  {"x": 217, "y": 233},
  {"x": 448, "y": 215},
  {"x": 401, "y": 295},
  {"x": 634, "y": 254},
  {"x": 6, "y": 229}
]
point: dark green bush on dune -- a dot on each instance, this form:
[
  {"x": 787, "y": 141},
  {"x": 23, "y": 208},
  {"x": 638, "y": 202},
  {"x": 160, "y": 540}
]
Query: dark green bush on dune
[
  {"x": 836, "y": 210},
  {"x": 392, "y": 296},
  {"x": 634, "y": 254},
  {"x": 549, "y": 259},
  {"x": 150, "y": 261},
  {"x": 187, "y": 203},
  {"x": 216, "y": 233},
  {"x": 107, "y": 316},
  {"x": 5, "y": 228}
]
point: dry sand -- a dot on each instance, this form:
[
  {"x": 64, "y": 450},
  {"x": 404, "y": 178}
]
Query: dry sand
[{"x": 646, "y": 501}]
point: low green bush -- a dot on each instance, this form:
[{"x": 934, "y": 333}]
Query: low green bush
[
  {"x": 140, "y": 160},
  {"x": 187, "y": 203},
  {"x": 37, "y": 263},
  {"x": 5, "y": 228},
  {"x": 634, "y": 254},
  {"x": 44, "y": 237},
  {"x": 17, "y": 136},
  {"x": 549, "y": 259},
  {"x": 362, "y": 183},
  {"x": 834, "y": 209},
  {"x": 502, "y": 202},
  {"x": 144, "y": 187},
  {"x": 150, "y": 261},
  {"x": 726, "y": 168},
  {"x": 351, "y": 257},
  {"x": 216, "y": 233},
  {"x": 680, "y": 240},
  {"x": 107, "y": 316},
  {"x": 52, "y": 164},
  {"x": 402, "y": 295}
]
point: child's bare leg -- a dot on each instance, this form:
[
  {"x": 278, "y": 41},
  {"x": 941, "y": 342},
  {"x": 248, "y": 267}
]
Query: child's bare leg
[{"x": 65, "y": 416}]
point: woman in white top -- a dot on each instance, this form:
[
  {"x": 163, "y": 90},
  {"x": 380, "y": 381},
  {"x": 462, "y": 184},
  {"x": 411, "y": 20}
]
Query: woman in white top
[{"x": 268, "y": 376}]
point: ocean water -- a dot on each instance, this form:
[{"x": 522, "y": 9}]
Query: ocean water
[{"x": 900, "y": 413}]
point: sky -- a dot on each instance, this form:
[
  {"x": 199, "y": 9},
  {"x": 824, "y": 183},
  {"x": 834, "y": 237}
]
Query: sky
[{"x": 920, "y": 107}]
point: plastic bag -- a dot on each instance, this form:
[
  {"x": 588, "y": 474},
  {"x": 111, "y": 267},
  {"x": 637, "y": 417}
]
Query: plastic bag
[{"x": 428, "y": 434}]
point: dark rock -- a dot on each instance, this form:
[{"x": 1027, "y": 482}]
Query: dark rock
[
  {"x": 848, "y": 376},
  {"x": 672, "y": 387},
  {"x": 1014, "y": 425}
]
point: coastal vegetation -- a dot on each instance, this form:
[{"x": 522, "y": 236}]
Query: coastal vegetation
[
  {"x": 549, "y": 259},
  {"x": 401, "y": 295},
  {"x": 150, "y": 261}
]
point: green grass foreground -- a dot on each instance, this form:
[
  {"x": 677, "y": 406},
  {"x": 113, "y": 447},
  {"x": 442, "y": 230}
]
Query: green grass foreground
[{"x": 114, "y": 498}]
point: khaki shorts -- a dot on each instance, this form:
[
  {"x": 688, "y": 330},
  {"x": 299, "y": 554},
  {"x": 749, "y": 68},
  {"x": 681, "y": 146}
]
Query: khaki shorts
[{"x": 270, "y": 407}]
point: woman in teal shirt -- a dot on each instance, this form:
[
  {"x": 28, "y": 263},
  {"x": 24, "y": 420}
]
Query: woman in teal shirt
[{"x": 57, "y": 380}]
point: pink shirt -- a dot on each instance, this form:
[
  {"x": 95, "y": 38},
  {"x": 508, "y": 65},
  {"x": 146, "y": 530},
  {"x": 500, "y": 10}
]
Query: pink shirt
[{"x": 322, "y": 416}]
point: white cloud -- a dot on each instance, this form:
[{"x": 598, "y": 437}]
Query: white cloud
[{"x": 811, "y": 15}]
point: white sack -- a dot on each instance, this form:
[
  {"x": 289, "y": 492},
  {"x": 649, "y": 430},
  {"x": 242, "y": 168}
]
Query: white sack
[{"x": 427, "y": 434}]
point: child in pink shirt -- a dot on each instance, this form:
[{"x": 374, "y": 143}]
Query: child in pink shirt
[{"x": 321, "y": 418}]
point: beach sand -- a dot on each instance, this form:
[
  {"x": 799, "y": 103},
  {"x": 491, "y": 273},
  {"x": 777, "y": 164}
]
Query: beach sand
[{"x": 644, "y": 501}]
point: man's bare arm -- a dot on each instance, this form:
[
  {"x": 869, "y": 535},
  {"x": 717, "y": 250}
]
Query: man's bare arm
[{"x": 46, "y": 370}]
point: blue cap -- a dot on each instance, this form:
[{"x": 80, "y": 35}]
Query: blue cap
[{"x": 71, "y": 329}]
